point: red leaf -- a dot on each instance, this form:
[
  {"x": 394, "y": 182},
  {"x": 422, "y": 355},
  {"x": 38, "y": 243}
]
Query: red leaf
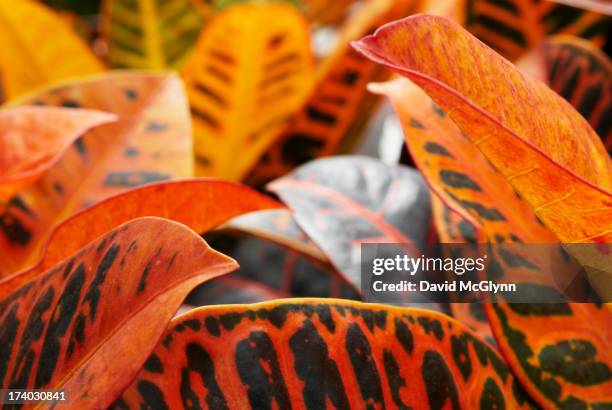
[
  {"x": 200, "y": 204},
  {"x": 87, "y": 325},
  {"x": 317, "y": 353}
]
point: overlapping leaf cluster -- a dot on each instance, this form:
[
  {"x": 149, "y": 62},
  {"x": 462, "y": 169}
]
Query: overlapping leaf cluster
[{"x": 110, "y": 175}]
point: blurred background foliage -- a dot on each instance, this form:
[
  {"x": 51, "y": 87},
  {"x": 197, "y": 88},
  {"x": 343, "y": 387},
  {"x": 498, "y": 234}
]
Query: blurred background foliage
[{"x": 272, "y": 85}]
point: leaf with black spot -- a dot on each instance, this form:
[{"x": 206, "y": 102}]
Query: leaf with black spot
[{"x": 96, "y": 314}]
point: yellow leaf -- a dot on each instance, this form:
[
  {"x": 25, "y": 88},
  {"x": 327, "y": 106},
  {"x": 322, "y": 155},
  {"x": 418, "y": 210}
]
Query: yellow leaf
[
  {"x": 252, "y": 67},
  {"x": 149, "y": 33},
  {"x": 37, "y": 47}
]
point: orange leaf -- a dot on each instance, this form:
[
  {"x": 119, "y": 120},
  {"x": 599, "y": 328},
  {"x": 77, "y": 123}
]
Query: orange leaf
[
  {"x": 536, "y": 140},
  {"x": 581, "y": 73},
  {"x": 458, "y": 172},
  {"x": 151, "y": 141},
  {"x": 452, "y": 228},
  {"x": 339, "y": 104},
  {"x": 250, "y": 69},
  {"x": 484, "y": 207},
  {"x": 32, "y": 139},
  {"x": 37, "y": 46},
  {"x": 317, "y": 353},
  {"x": 325, "y": 12},
  {"x": 199, "y": 204},
  {"x": 87, "y": 325},
  {"x": 513, "y": 27}
]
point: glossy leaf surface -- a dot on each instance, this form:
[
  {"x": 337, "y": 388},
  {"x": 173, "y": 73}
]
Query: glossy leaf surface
[
  {"x": 149, "y": 33},
  {"x": 250, "y": 70},
  {"x": 34, "y": 43},
  {"x": 580, "y": 73},
  {"x": 310, "y": 353},
  {"x": 513, "y": 27},
  {"x": 342, "y": 202},
  {"x": 459, "y": 173},
  {"x": 199, "y": 204},
  {"x": 32, "y": 139},
  {"x": 566, "y": 180},
  {"x": 150, "y": 141},
  {"x": 483, "y": 207},
  {"x": 73, "y": 328}
]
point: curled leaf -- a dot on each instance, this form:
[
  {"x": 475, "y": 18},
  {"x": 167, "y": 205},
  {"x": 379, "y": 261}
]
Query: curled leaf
[
  {"x": 459, "y": 173},
  {"x": 547, "y": 151},
  {"x": 150, "y": 141},
  {"x": 87, "y": 325},
  {"x": 32, "y": 139}
]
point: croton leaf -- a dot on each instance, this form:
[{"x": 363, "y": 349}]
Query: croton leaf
[
  {"x": 32, "y": 139},
  {"x": 278, "y": 226},
  {"x": 560, "y": 352},
  {"x": 250, "y": 69},
  {"x": 482, "y": 206},
  {"x": 338, "y": 106},
  {"x": 294, "y": 264},
  {"x": 199, "y": 204},
  {"x": 458, "y": 172},
  {"x": 87, "y": 325},
  {"x": 344, "y": 201},
  {"x": 453, "y": 228},
  {"x": 317, "y": 353},
  {"x": 34, "y": 43},
  {"x": 581, "y": 73},
  {"x": 151, "y": 141},
  {"x": 512, "y": 27},
  {"x": 476, "y": 194},
  {"x": 149, "y": 34},
  {"x": 547, "y": 151},
  {"x": 288, "y": 271}
]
